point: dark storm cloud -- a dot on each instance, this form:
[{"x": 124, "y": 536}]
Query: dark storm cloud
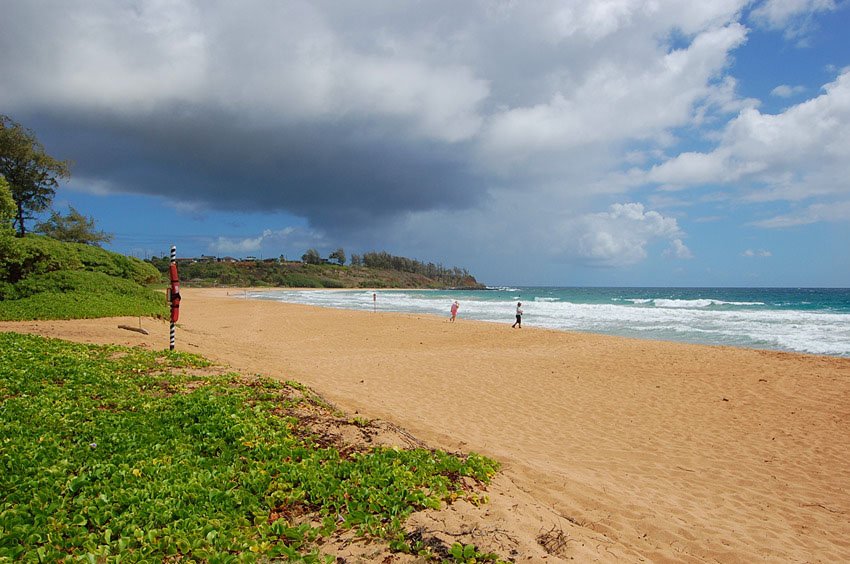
[
  {"x": 269, "y": 106},
  {"x": 336, "y": 175}
]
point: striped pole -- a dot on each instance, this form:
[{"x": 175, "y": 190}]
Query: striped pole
[{"x": 173, "y": 323}]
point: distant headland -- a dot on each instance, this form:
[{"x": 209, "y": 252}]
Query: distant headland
[{"x": 369, "y": 270}]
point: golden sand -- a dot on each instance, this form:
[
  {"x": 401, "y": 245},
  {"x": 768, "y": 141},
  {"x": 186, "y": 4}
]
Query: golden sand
[{"x": 625, "y": 450}]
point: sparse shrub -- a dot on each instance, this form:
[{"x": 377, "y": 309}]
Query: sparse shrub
[{"x": 331, "y": 283}]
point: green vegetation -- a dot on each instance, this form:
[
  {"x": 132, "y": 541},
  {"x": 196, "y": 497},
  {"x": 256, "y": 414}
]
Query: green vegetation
[
  {"x": 77, "y": 295},
  {"x": 454, "y": 276},
  {"x": 32, "y": 174},
  {"x": 7, "y": 209},
  {"x": 39, "y": 255},
  {"x": 73, "y": 227},
  {"x": 311, "y": 256},
  {"x": 41, "y": 278},
  {"x": 338, "y": 255},
  {"x": 309, "y": 274},
  {"x": 110, "y": 453},
  {"x": 469, "y": 553}
]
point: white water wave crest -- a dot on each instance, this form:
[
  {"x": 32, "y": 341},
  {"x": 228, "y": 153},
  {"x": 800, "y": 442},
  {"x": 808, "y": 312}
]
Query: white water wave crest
[
  {"x": 686, "y": 304},
  {"x": 791, "y": 330}
]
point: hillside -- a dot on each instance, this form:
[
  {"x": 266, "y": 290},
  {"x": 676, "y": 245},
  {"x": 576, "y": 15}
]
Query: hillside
[
  {"x": 41, "y": 278},
  {"x": 302, "y": 275}
]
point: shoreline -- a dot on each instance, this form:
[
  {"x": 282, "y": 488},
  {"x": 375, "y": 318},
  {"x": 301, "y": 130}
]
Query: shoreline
[
  {"x": 633, "y": 334},
  {"x": 633, "y": 448}
]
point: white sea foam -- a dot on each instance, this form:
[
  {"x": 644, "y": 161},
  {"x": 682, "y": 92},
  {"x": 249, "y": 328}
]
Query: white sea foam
[
  {"x": 699, "y": 303},
  {"x": 813, "y": 332},
  {"x": 686, "y": 320}
]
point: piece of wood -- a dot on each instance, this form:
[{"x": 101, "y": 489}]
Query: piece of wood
[{"x": 136, "y": 329}]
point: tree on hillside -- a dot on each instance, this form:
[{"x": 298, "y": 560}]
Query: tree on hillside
[
  {"x": 312, "y": 256},
  {"x": 355, "y": 260},
  {"x": 74, "y": 228},
  {"x": 385, "y": 260},
  {"x": 339, "y": 255},
  {"x": 7, "y": 208},
  {"x": 31, "y": 173},
  {"x": 7, "y": 231}
]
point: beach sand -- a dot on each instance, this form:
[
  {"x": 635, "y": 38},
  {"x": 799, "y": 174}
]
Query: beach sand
[{"x": 612, "y": 449}]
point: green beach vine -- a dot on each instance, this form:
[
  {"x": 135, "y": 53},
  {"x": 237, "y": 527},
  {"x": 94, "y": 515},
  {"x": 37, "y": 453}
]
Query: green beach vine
[{"x": 117, "y": 454}]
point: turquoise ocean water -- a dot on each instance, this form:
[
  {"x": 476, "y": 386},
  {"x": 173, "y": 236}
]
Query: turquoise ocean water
[{"x": 809, "y": 320}]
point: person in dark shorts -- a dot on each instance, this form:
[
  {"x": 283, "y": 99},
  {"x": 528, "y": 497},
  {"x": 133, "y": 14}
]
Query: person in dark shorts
[{"x": 518, "y": 321}]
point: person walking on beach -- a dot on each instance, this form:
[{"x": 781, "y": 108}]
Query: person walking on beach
[
  {"x": 455, "y": 307},
  {"x": 518, "y": 321}
]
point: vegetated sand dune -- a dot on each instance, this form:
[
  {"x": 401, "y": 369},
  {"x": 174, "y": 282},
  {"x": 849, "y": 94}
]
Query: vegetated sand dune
[{"x": 612, "y": 448}]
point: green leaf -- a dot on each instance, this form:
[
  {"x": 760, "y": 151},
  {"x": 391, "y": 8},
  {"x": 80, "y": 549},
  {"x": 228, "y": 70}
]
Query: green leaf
[
  {"x": 456, "y": 551},
  {"x": 469, "y": 551}
]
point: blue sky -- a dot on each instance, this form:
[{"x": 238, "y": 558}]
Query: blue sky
[{"x": 612, "y": 142}]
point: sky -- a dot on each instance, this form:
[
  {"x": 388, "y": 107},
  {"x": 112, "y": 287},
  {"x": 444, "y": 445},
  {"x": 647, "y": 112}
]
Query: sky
[{"x": 568, "y": 143}]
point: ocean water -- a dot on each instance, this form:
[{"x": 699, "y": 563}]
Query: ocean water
[{"x": 808, "y": 320}]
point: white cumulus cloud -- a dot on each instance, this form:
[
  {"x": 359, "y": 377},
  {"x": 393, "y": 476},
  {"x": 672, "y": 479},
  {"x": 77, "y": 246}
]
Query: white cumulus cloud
[
  {"x": 617, "y": 100},
  {"x": 800, "y": 153},
  {"x": 620, "y": 236}
]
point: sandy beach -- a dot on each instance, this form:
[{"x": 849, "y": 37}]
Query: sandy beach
[{"x": 627, "y": 450}]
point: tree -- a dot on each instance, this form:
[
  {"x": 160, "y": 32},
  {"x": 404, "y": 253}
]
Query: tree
[
  {"x": 355, "y": 260},
  {"x": 339, "y": 255},
  {"x": 311, "y": 257},
  {"x": 74, "y": 228},
  {"x": 31, "y": 173},
  {"x": 7, "y": 232},
  {"x": 7, "y": 208}
]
